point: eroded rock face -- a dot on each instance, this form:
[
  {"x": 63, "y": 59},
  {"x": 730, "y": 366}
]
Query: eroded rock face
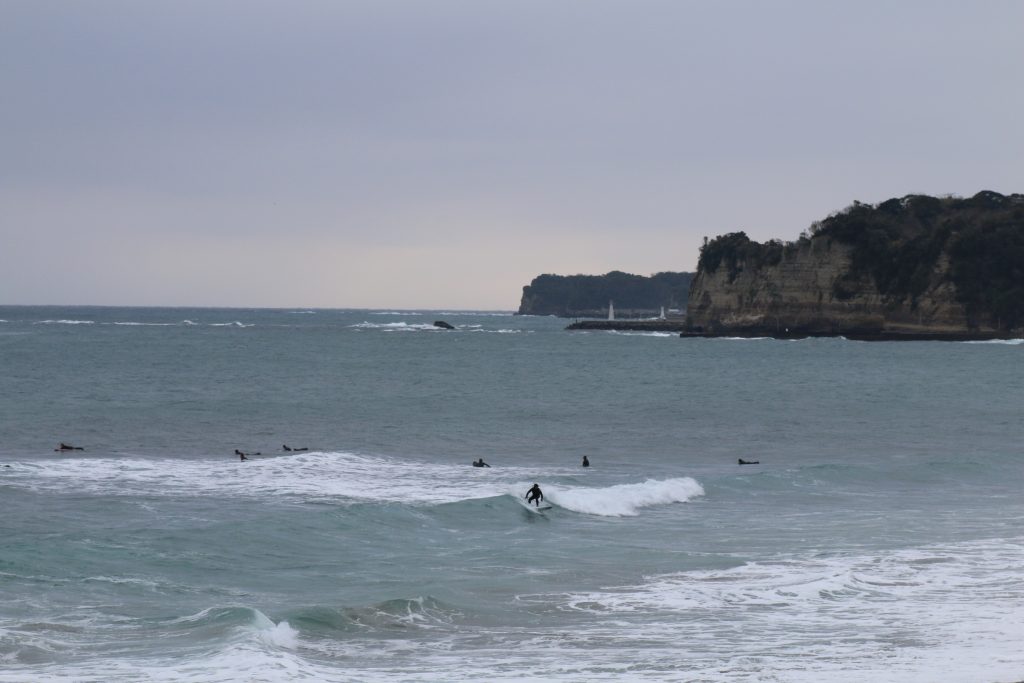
[
  {"x": 910, "y": 267},
  {"x": 811, "y": 291}
]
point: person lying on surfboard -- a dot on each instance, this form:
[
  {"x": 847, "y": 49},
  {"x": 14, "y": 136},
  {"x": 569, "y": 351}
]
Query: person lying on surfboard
[{"x": 535, "y": 495}]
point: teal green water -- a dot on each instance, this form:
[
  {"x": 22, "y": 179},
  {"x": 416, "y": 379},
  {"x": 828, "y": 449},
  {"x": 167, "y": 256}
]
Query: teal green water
[{"x": 880, "y": 537}]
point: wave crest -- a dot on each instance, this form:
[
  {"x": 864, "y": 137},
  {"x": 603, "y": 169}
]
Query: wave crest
[
  {"x": 394, "y": 327},
  {"x": 625, "y": 500}
]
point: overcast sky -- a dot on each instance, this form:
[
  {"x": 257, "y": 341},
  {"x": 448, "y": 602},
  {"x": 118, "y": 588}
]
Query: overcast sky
[{"x": 442, "y": 154}]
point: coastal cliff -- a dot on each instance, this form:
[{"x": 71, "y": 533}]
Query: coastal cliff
[{"x": 916, "y": 267}]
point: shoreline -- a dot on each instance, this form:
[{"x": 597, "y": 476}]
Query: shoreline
[
  {"x": 857, "y": 336},
  {"x": 679, "y": 325}
]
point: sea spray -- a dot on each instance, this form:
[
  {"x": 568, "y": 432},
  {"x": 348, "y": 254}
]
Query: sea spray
[
  {"x": 279, "y": 635},
  {"x": 623, "y": 500}
]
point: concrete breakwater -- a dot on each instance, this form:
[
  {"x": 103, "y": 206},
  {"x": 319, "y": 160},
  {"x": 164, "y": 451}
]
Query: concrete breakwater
[{"x": 671, "y": 325}]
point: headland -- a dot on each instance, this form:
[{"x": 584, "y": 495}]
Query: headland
[{"x": 915, "y": 268}]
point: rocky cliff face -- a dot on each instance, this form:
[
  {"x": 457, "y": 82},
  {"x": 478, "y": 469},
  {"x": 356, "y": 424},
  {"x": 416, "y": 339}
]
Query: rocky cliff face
[
  {"x": 826, "y": 284},
  {"x": 798, "y": 295}
]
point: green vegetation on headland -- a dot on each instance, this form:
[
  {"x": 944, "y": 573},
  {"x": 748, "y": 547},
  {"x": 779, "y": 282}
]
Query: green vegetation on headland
[
  {"x": 943, "y": 264},
  {"x": 588, "y": 295}
]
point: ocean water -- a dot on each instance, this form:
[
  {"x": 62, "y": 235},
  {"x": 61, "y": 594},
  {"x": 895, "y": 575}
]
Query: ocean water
[{"x": 881, "y": 537}]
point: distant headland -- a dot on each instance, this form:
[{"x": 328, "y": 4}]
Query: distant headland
[{"x": 588, "y": 296}]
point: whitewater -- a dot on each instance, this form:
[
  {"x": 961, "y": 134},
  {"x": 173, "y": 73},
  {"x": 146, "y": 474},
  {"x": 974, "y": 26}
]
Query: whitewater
[{"x": 878, "y": 539}]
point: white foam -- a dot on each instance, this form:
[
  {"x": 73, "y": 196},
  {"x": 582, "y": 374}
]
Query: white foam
[
  {"x": 122, "y": 580},
  {"x": 234, "y": 323},
  {"x": 746, "y": 338},
  {"x": 279, "y": 635},
  {"x": 1005, "y": 342},
  {"x": 395, "y": 327},
  {"x": 623, "y": 500},
  {"x": 66, "y": 322},
  {"x": 943, "y": 613},
  {"x": 131, "y": 324},
  {"x": 339, "y": 477},
  {"x": 261, "y": 651},
  {"x": 624, "y": 333},
  {"x": 939, "y": 613}
]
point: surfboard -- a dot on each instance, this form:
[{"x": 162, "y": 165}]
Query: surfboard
[{"x": 533, "y": 508}]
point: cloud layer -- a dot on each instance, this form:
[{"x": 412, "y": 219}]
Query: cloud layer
[{"x": 441, "y": 154}]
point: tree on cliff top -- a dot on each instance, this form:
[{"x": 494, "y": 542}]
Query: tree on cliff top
[
  {"x": 736, "y": 251},
  {"x": 568, "y": 295},
  {"x": 899, "y": 242}
]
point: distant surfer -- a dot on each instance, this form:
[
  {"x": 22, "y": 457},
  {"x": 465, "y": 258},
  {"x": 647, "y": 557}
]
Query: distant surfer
[
  {"x": 749, "y": 462},
  {"x": 241, "y": 455},
  {"x": 586, "y": 463},
  {"x": 65, "y": 447},
  {"x": 295, "y": 450},
  {"x": 535, "y": 495},
  {"x": 480, "y": 463}
]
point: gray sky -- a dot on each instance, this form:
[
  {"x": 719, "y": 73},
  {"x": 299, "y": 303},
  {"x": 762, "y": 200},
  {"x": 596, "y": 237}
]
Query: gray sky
[{"x": 441, "y": 154}]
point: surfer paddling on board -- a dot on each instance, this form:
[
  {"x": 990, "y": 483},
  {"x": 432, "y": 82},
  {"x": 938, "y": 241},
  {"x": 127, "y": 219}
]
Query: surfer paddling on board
[{"x": 535, "y": 495}]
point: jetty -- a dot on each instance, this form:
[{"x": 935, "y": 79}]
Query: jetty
[{"x": 639, "y": 325}]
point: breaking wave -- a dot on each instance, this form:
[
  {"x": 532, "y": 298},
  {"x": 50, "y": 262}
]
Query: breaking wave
[{"x": 624, "y": 500}]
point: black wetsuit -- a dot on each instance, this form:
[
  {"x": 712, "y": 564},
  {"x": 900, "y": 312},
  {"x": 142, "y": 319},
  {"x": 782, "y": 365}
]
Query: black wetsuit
[{"x": 534, "y": 495}]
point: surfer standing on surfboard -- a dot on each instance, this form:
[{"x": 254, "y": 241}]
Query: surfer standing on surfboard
[{"x": 535, "y": 495}]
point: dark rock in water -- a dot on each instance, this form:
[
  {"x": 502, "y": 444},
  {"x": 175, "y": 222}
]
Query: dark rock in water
[{"x": 443, "y": 325}]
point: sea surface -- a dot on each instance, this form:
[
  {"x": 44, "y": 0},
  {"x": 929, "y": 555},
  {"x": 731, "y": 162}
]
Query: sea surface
[{"x": 880, "y": 537}]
